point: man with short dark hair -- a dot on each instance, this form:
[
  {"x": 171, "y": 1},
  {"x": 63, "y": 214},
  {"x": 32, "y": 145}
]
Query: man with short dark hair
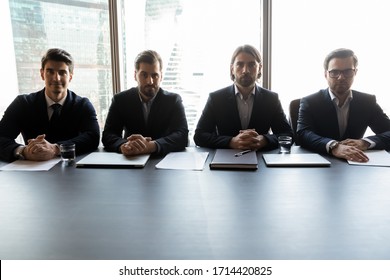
[
  {"x": 334, "y": 120},
  {"x": 146, "y": 119},
  {"x": 49, "y": 117}
]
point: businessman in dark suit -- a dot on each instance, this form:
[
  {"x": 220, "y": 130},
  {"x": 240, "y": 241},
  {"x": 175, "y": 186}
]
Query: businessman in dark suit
[
  {"x": 241, "y": 116},
  {"x": 146, "y": 119},
  {"x": 334, "y": 120},
  {"x": 44, "y": 128}
]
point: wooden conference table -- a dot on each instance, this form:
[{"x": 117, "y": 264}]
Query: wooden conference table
[{"x": 337, "y": 212}]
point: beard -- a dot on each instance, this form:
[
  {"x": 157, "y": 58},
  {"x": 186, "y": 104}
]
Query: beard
[
  {"x": 245, "y": 81},
  {"x": 149, "y": 91},
  {"x": 341, "y": 88}
]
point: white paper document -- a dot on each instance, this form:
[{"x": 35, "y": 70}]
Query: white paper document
[
  {"x": 113, "y": 160},
  {"x": 29, "y": 165},
  {"x": 376, "y": 158},
  {"x": 183, "y": 160}
]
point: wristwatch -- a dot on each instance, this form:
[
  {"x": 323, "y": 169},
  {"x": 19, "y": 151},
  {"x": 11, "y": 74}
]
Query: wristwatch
[
  {"x": 19, "y": 152},
  {"x": 333, "y": 146}
]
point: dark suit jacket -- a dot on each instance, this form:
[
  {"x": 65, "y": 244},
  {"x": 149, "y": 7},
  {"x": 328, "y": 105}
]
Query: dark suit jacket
[
  {"x": 27, "y": 115},
  {"x": 167, "y": 123},
  {"x": 220, "y": 120},
  {"x": 317, "y": 121}
]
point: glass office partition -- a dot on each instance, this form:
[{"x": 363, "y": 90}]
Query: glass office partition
[
  {"x": 7, "y": 56},
  {"x": 81, "y": 28},
  {"x": 305, "y": 31},
  {"x": 195, "y": 38}
]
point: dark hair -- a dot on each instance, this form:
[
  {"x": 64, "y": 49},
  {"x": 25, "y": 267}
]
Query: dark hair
[
  {"x": 58, "y": 55},
  {"x": 148, "y": 56},
  {"x": 249, "y": 50},
  {"x": 340, "y": 53}
]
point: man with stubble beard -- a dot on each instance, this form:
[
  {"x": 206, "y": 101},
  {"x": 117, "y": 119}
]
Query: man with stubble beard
[
  {"x": 146, "y": 119},
  {"x": 334, "y": 120},
  {"x": 241, "y": 116}
]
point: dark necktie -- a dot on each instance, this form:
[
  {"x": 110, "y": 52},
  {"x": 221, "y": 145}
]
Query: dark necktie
[{"x": 56, "y": 114}]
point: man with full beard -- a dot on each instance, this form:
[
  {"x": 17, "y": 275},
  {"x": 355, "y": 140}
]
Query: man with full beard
[
  {"x": 334, "y": 120},
  {"x": 153, "y": 120},
  {"x": 241, "y": 116}
]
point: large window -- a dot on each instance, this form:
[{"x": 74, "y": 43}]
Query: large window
[
  {"x": 7, "y": 57},
  {"x": 80, "y": 27},
  {"x": 305, "y": 31},
  {"x": 195, "y": 38}
]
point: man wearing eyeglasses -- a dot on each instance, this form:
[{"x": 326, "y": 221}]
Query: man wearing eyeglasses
[{"x": 334, "y": 120}]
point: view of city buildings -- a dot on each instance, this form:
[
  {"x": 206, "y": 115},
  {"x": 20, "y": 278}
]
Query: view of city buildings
[
  {"x": 81, "y": 28},
  {"x": 195, "y": 39},
  {"x": 196, "y": 57}
]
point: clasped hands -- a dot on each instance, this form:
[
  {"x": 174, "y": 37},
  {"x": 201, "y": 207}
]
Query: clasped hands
[
  {"x": 39, "y": 149},
  {"x": 248, "y": 139},
  {"x": 352, "y": 149},
  {"x": 137, "y": 144}
]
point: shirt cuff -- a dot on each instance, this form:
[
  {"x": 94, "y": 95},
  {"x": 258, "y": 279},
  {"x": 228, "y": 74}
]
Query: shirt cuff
[
  {"x": 328, "y": 144},
  {"x": 18, "y": 152},
  {"x": 372, "y": 143}
]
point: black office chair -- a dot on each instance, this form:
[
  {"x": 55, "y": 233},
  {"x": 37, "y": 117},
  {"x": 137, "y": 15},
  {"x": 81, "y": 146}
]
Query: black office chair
[{"x": 293, "y": 118}]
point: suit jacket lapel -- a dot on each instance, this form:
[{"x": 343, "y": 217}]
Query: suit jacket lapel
[
  {"x": 41, "y": 107},
  {"x": 155, "y": 110},
  {"x": 256, "y": 105},
  {"x": 231, "y": 104},
  {"x": 67, "y": 104},
  {"x": 330, "y": 114},
  {"x": 354, "y": 114}
]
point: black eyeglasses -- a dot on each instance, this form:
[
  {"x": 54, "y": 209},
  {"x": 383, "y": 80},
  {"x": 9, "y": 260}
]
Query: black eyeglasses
[{"x": 347, "y": 73}]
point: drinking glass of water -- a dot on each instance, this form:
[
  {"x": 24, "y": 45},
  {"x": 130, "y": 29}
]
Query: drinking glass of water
[
  {"x": 285, "y": 143},
  {"x": 68, "y": 153}
]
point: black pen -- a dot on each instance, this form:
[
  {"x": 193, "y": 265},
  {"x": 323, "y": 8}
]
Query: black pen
[{"x": 242, "y": 153}]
